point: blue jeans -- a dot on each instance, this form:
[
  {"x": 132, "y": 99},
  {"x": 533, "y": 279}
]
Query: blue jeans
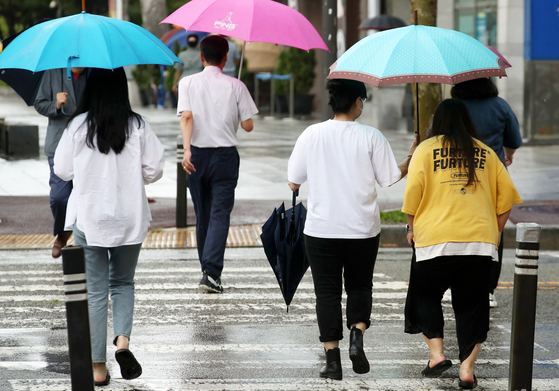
[
  {"x": 212, "y": 187},
  {"x": 59, "y": 193},
  {"x": 108, "y": 269}
]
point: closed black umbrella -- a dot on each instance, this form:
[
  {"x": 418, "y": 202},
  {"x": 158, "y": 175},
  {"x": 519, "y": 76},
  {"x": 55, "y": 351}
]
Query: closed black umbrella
[
  {"x": 24, "y": 82},
  {"x": 283, "y": 242},
  {"x": 382, "y": 22}
]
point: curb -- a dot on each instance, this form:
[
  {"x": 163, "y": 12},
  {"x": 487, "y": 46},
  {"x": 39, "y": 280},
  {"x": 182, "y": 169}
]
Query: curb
[
  {"x": 395, "y": 236},
  {"x": 249, "y": 236}
]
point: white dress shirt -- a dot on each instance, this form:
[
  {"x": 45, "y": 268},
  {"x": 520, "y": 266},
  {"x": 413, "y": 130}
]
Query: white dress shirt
[
  {"x": 109, "y": 201},
  {"x": 218, "y": 104}
]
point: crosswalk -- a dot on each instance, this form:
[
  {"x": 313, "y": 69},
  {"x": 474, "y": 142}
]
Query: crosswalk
[{"x": 243, "y": 339}]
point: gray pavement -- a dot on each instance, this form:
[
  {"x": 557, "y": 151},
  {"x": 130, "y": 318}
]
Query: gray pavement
[{"x": 244, "y": 339}]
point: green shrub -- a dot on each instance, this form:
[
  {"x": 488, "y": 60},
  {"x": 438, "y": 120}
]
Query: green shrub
[
  {"x": 301, "y": 65},
  {"x": 393, "y": 217}
]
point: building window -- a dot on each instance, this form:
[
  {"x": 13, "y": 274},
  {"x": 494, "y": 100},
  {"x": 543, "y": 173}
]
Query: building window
[{"x": 478, "y": 19}]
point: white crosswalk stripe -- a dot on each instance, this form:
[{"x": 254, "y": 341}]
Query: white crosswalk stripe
[{"x": 222, "y": 341}]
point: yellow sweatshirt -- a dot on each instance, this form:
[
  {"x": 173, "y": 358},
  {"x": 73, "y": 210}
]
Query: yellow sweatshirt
[{"x": 447, "y": 211}]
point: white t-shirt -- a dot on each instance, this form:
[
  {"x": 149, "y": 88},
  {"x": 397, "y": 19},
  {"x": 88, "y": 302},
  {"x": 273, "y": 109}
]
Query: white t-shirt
[
  {"x": 109, "y": 200},
  {"x": 218, "y": 103},
  {"x": 342, "y": 160}
]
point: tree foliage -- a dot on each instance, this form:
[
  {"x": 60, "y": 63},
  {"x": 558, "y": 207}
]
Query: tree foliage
[
  {"x": 300, "y": 64},
  {"x": 17, "y": 15},
  {"x": 430, "y": 94}
]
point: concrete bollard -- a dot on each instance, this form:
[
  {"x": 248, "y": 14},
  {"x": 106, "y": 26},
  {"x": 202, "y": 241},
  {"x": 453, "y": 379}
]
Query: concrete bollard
[
  {"x": 77, "y": 318},
  {"x": 181, "y": 212},
  {"x": 524, "y": 306}
]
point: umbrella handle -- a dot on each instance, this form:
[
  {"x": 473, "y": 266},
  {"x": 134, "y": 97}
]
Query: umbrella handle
[
  {"x": 69, "y": 67},
  {"x": 295, "y": 194}
]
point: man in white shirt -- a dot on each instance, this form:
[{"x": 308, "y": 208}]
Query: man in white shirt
[{"x": 211, "y": 106}]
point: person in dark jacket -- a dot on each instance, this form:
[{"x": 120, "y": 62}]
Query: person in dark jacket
[{"x": 57, "y": 99}]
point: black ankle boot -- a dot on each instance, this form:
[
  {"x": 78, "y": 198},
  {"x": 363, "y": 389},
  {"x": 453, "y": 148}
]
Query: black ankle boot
[
  {"x": 356, "y": 353},
  {"x": 333, "y": 367}
]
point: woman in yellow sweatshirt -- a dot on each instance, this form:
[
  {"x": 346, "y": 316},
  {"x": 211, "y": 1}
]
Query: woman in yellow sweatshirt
[{"x": 458, "y": 198}]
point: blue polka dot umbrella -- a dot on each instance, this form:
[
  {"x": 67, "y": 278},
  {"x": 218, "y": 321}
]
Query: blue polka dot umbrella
[{"x": 417, "y": 54}]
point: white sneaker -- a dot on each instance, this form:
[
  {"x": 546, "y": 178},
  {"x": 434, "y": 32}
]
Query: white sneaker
[{"x": 492, "y": 301}]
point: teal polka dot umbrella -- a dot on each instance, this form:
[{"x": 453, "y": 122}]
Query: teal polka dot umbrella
[{"x": 417, "y": 54}]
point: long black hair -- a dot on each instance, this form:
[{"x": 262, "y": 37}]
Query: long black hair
[
  {"x": 109, "y": 114},
  {"x": 343, "y": 94},
  {"x": 475, "y": 89},
  {"x": 452, "y": 121}
]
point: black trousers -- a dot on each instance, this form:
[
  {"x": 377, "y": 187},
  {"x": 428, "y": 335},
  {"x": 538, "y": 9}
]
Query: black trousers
[
  {"x": 468, "y": 279},
  {"x": 496, "y": 267},
  {"x": 330, "y": 261},
  {"x": 212, "y": 187}
]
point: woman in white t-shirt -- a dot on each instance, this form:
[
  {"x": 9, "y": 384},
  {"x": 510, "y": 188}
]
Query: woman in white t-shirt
[
  {"x": 342, "y": 160},
  {"x": 109, "y": 152}
]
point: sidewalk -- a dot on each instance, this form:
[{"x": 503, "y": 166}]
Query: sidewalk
[{"x": 24, "y": 208}]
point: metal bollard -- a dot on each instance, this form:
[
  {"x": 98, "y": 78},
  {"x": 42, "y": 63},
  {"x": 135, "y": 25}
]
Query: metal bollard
[
  {"x": 524, "y": 306},
  {"x": 77, "y": 318},
  {"x": 181, "y": 187}
]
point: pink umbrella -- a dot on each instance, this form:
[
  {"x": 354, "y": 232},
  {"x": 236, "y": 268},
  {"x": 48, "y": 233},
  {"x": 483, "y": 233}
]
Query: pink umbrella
[{"x": 249, "y": 20}]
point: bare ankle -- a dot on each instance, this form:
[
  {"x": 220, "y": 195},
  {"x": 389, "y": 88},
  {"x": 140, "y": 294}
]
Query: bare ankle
[{"x": 122, "y": 342}]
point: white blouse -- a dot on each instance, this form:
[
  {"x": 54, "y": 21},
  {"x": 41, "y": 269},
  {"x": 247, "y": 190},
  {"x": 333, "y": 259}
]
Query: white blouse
[{"x": 108, "y": 201}]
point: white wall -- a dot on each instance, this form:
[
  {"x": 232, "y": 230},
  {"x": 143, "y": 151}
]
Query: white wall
[{"x": 510, "y": 43}]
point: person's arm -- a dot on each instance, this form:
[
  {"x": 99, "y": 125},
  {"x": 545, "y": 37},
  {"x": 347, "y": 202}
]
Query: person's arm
[
  {"x": 247, "y": 125},
  {"x": 45, "y": 103},
  {"x": 410, "y": 228},
  {"x": 187, "y": 123},
  {"x": 406, "y": 162},
  {"x": 293, "y": 186},
  {"x": 509, "y": 152},
  {"x": 64, "y": 157},
  {"x": 153, "y": 155},
  {"x": 501, "y": 221},
  {"x": 177, "y": 77}
]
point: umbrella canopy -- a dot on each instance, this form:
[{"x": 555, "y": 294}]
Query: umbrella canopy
[
  {"x": 181, "y": 36},
  {"x": 249, "y": 20},
  {"x": 282, "y": 239},
  {"x": 417, "y": 54},
  {"x": 24, "y": 82},
  {"x": 85, "y": 40},
  {"x": 382, "y": 22},
  {"x": 505, "y": 62}
]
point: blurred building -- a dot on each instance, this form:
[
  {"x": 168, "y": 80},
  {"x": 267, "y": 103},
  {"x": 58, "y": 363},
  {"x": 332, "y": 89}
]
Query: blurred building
[{"x": 524, "y": 31}]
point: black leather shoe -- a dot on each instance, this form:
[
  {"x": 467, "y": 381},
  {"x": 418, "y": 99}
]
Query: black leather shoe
[
  {"x": 333, "y": 367},
  {"x": 356, "y": 353}
]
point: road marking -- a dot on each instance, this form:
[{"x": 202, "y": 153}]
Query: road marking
[{"x": 283, "y": 384}]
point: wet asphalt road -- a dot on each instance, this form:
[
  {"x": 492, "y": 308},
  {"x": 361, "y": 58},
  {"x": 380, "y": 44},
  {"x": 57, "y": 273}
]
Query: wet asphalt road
[{"x": 244, "y": 339}]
